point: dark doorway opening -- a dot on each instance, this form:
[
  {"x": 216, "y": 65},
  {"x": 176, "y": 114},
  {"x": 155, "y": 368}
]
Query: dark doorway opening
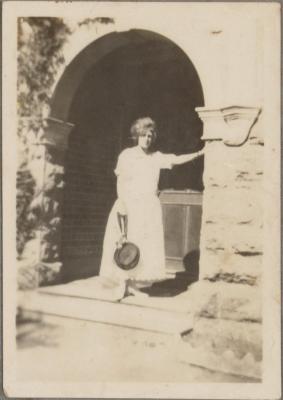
[{"x": 148, "y": 76}]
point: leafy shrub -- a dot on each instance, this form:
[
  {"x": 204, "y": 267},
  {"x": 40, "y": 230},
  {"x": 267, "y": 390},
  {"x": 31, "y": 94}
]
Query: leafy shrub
[
  {"x": 40, "y": 41},
  {"x": 25, "y": 192}
]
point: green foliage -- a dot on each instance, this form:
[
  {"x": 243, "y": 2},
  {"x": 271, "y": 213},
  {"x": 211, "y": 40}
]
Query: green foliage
[
  {"x": 25, "y": 192},
  {"x": 40, "y": 42}
]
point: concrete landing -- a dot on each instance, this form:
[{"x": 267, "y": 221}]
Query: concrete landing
[{"x": 68, "y": 351}]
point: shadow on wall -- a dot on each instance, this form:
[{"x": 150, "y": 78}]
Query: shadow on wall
[{"x": 191, "y": 264}]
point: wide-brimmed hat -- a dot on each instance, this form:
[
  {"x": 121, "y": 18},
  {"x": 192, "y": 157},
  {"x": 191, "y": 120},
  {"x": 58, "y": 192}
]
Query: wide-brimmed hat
[{"x": 127, "y": 257}]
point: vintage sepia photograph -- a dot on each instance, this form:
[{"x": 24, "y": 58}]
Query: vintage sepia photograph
[{"x": 141, "y": 199}]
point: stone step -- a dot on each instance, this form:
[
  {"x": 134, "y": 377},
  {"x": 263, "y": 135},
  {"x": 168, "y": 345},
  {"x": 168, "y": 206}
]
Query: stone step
[{"x": 108, "y": 312}]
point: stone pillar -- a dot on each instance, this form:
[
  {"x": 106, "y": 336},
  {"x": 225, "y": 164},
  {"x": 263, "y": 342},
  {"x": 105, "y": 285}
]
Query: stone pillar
[
  {"x": 41, "y": 261},
  {"x": 231, "y": 236},
  {"x": 227, "y": 298}
]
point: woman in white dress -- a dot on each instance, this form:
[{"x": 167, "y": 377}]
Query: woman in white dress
[{"x": 138, "y": 169}]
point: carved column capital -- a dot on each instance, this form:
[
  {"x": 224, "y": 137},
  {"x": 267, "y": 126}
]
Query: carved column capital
[
  {"x": 56, "y": 133},
  {"x": 232, "y": 125}
]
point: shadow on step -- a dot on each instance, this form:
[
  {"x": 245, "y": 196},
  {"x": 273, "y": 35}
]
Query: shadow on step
[{"x": 173, "y": 287}]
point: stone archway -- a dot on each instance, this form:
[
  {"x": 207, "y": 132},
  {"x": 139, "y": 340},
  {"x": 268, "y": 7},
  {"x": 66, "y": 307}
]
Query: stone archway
[
  {"x": 227, "y": 298},
  {"x": 97, "y": 84}
]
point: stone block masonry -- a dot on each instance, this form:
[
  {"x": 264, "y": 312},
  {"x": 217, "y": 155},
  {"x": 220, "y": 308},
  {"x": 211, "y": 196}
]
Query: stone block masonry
[
  {"x": 227, "y": 299},
  {"x": 232, "y": 231}
]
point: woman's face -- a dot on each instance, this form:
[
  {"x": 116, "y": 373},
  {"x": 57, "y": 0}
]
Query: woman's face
[{"x": 145, "y": 139}]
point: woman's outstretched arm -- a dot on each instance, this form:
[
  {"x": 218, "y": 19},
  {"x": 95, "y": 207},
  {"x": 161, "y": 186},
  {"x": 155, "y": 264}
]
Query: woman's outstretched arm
[{"x": 184, "y": 158}]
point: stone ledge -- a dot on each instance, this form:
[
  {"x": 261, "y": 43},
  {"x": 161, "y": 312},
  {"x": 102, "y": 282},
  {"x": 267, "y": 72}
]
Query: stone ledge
[{"x": 56, "y": 133}]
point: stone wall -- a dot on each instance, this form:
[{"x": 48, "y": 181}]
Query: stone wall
[
  {"x": 227, "y": 299},
  {"x": 233, "y": 216}
]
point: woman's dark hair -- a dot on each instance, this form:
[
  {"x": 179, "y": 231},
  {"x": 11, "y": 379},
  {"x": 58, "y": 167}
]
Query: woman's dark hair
[{"x": 142, "y": 125}]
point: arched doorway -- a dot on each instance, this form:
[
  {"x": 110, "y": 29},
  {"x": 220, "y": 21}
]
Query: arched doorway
[{"x": 117, "y": 79}]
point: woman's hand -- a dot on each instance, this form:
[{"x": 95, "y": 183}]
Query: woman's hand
[
  {"x": 121, "y": 207},
  {"x": 123, "y": 239},
  {"x": 123, "y": 225}
]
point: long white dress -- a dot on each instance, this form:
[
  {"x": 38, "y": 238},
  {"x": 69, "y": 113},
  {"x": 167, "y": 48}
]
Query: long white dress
[{"x": 137, "y": 185}]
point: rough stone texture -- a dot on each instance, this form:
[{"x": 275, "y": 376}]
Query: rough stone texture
[
  {"x": 230, "y": 346},
  {"x": 232, "y": 267},
  {"x": 231, "y": 237},
  {"x": 218, "y": 336},
  {"x": 229, "y": 301}
]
